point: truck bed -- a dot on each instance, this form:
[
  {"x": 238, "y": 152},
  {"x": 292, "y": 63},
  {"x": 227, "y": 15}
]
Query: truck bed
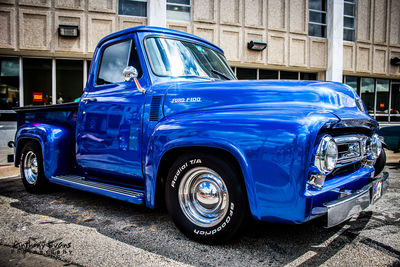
[{"x": 60, "y": 113}]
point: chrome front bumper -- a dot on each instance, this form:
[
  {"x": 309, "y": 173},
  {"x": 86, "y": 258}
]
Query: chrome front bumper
[{"x": 344, "y": 208}]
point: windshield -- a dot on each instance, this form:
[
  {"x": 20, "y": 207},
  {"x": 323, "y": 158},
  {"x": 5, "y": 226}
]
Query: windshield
[{"x": 176, "y": 58}]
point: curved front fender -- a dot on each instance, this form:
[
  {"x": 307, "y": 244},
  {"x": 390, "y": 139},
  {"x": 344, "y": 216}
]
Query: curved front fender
[
  {"x": 56, "y": 141},
  {"x": 157, "y": 150},
  {"x": 273, "y": 148}
]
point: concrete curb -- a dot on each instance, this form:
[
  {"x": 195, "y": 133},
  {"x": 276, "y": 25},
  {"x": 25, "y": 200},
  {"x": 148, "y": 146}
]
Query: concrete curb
[
  {"x": 392, "y": 157},
  {"x": 8, "y": 171}
]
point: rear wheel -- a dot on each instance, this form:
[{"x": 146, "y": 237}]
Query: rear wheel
[
  {"x": 31, "y": 167},
  {"x": 205, "y": 197}
]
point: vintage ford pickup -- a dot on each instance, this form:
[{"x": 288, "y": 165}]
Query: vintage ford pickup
[{"x": 163, "y": 120}]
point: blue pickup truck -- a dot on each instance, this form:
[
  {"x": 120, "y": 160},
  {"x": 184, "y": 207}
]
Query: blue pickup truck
[{"x": 164, "y": 121}]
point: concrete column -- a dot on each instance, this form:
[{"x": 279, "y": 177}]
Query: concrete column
[
  {"x": 335, "y": 41},
  {"x": 157, "y": 13},
  {"x": 84, "y": 73},
  {"x": 21, "y": 83},
  {"x": 53, "y": 82}
]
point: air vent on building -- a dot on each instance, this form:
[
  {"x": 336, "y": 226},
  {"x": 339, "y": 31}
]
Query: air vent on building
[{"x": 155, "y": 108}]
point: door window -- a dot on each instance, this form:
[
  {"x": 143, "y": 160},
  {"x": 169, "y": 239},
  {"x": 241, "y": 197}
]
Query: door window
[{"x": 113, "y": 61}]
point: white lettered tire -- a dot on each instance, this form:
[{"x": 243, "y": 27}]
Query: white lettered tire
[{"x": 206, "y": 197}]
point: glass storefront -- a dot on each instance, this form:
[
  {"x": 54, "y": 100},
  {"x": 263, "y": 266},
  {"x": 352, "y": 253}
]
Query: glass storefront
[
  {"x": 382, "y": 100},
  {"x": 69, "y": 80},
  {"x": 9, "y": 83},
  {"x": 395, "y": 101},
  {"x": 368, "y": 93},
  {"x": 37, "y": 81},
  {"x": 381, "y": 97},
  {"x": 9, "y": 87}
]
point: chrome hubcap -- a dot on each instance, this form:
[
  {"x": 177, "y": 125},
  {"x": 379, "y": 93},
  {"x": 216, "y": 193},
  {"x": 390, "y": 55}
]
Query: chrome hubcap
[
  {"x": 30, "y": 167},
  {"x": 203, "y": 197}
]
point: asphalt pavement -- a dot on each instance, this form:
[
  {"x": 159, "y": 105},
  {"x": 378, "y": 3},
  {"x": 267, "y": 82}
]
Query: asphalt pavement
[{"x": 70, "y": 227}]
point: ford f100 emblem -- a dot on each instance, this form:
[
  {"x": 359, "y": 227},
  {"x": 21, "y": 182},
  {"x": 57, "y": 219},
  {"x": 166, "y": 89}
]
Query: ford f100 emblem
[{"x": 186, "y": 100}]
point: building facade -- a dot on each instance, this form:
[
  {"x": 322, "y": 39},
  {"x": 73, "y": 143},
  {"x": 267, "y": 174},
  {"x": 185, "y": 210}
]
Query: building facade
[{"x": 46, "y": 46}]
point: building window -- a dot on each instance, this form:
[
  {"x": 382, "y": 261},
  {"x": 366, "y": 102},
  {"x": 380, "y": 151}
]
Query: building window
[
  {"x": 382, "y": 100},
  {"x": 268, "y": 74},
  {"x": 289, "y": 75},
  {"x": 353, "y": 82},
  {"x": 132, "y": 8},
  {"x": 262, "y": 74},
  {"x": 367, "y": 91},
  {"x": 178, "y": 10},
  {"x": 317, "y": 14},
  {"x": 69, "y": 80},
  {"x": 349, "y": 20},
  {"x": 88, "y": 67},
  {"x": 37, "y": 81},
  {"x": 381, "y": 97},
  {"x": 308, "y": 76},
  {"x": 9, "y": 83},
  {"x": 395, "y": 101},
  {"x": 246, "y": 74}
]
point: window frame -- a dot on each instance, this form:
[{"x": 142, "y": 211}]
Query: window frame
[
  {"x": 354, "y": 17},
  {"x": 299, "y": 73},
  {"x": 177, "y": 39},
  {"x": 324, "y": 25},
  {"x": 374, "y": 114},
  {"x": 135, "y": 16},
  {"x": 183, "y": 5},
  {"x": 103, "y": 48},
  {"x": 20, "y": 94}
]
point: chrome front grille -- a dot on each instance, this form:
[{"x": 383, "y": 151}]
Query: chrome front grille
[{"x": 352, "y": 148}]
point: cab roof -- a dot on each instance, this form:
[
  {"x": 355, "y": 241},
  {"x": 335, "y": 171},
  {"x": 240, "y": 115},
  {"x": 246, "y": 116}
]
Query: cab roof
[{"x": 160, "y": 31}]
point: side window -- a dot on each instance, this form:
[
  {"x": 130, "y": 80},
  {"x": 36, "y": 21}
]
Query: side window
[{"x": 113, "y": 61}]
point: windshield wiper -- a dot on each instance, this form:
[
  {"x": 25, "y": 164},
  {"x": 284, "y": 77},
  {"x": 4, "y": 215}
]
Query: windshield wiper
[{"x": 220, "y": 74}]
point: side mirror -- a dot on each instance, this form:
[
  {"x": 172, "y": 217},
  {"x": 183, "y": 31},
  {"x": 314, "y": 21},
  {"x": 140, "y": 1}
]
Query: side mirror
[{"x": 130, "y": 74}]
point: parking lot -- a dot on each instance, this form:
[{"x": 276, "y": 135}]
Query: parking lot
[{"x": 73, "y": 227}]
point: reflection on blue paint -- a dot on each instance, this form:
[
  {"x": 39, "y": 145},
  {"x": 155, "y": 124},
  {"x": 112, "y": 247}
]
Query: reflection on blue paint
[{"x": 269, "y": 127}]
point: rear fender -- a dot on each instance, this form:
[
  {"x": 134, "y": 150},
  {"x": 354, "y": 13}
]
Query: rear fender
[{"x": 56, "y": 141}]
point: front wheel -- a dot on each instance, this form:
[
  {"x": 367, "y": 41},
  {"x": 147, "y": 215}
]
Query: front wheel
[
  {"x": 205, "y": 197},
  {"x": 31, "y": 167}
]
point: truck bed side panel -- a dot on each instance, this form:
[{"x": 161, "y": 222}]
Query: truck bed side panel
[{"x": 53, "y": 127}]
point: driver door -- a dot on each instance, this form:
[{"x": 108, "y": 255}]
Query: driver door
[{"x": 110, "y": 116}]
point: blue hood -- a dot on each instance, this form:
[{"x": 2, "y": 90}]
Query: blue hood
[{"x": 337, "y": 98}]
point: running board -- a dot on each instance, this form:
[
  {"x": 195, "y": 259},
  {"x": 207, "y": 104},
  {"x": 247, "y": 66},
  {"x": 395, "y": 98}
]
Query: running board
[{"x": 121, "y": 193}]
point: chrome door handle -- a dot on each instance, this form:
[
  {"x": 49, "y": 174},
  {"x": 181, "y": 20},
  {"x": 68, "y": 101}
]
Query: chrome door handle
[{"x": 87, "y": 100}]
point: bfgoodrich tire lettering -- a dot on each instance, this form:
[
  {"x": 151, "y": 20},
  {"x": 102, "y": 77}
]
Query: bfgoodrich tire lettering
[
  {"x": 205, "y": 197},
  {"x": 31, "y": 167}
]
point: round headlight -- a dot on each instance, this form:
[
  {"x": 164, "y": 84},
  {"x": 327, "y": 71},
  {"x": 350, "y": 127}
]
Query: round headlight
[
  {"x": 376, "y": 146},
  {"x": 327, "y": 155}
]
